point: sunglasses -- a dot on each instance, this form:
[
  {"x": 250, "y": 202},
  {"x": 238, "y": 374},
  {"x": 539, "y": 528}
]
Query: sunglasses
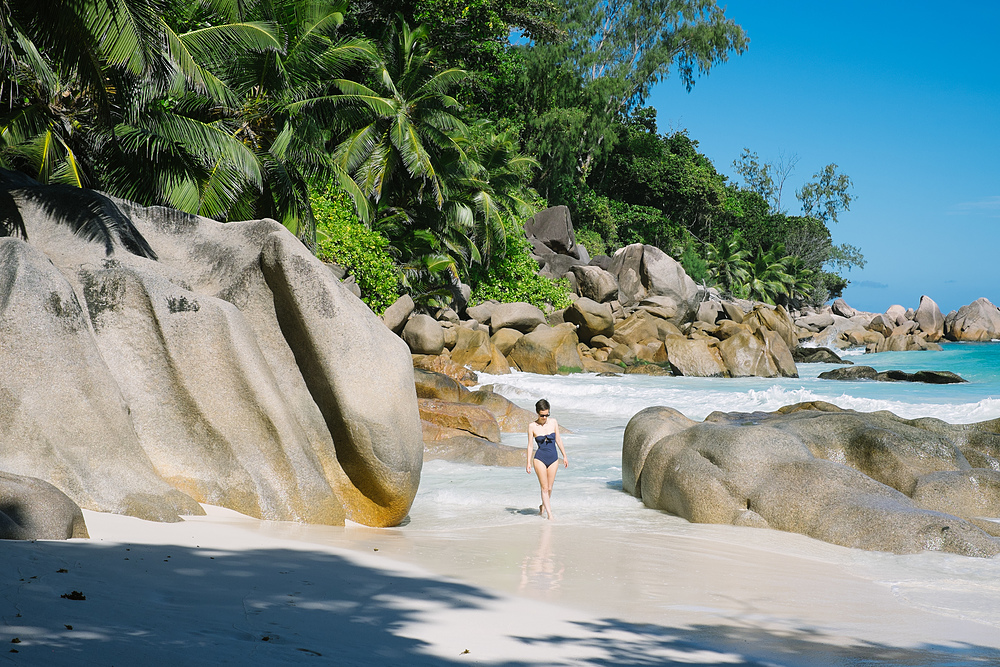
[{"x": 543, "y": 415}]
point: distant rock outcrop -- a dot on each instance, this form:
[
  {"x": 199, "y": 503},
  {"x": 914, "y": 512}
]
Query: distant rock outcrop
[{"x": 869, "y": 373}]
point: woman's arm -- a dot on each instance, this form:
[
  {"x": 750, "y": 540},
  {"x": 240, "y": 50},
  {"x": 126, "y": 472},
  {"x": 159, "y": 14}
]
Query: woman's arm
[
  {"x": 562, "y": 449},
  {"x": 531, "y": 449}
]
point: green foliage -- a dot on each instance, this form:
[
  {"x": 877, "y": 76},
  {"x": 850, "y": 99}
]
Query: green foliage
[
  {"x": 727, "y": 262},
  {"x": 767, "y": 179},
  {"x": 515, "y": 278},
  {"x": 616, "y": 223},
  {"x": 827, "y": 195},
  {"x": 342, "y": 239},
  {"x": 649, "y": 225},
  {"x": 577, "y": 88},
  {"x": 694, "y": 265},
  {"x": 829, "y": 286},
  {"x": 666, "y": 173},
  {"x": 592, "y": 215},
  {"x": 592, "y": 241}
]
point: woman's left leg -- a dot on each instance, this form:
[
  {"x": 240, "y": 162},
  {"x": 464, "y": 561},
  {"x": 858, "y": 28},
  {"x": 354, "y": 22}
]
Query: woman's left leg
[
  {"x": 550, "y": 477},
  {"x": 546, "y": 486}
]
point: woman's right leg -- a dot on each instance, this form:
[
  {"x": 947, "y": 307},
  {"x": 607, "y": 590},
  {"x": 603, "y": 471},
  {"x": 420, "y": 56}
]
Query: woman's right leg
[{"x": 543, "y": 482}]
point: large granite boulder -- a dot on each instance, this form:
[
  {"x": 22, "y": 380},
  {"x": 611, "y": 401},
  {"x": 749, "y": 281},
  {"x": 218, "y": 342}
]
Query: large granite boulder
[
  {"x": 510, "y": 418},
  {"x": 472, "y": 419},
  {"x": 174, "y": 360},
  {"x": 841, "y": 308},
  {"x": 896, "y": 314},
  {"x": 815, "y": 322},
  {"x": 882, "y": 324},
  {"x": 548, "y": 351},
  {"x": 504, "y": 340},
  {"x": 424, "y": 335},
  {"x": 817, "y": 355},
  {"x": 473, "y": 450},
  {"x": 636, "y": 328},
  {"x": 843, "y": 477},
  {"x": 31, "y": 509},
  {"x": 553, "y": 227},
  {"x": 595, "y": 283},
  {"x": 644, "y": 270},
  {"x": 869, "y": 373},
  {"x": 978, "y": 321},
  {"x": 930, "y": 319},
  {"x": 644, "y": 430},
  {"x": 472, "y": 348},
  {"x": 774, "y": 319},
  {"x": 444, "y": 365},
  {"x": 762, "y": 353},
  {"x": 973, "y": 493},
  {"x": 521, "y": 317},
  {"x": 694, "y": 358},
  {"x": 430, "y": 384},
  {"x": 483, "y": 312},
  {"x": 591, "y": 318}
]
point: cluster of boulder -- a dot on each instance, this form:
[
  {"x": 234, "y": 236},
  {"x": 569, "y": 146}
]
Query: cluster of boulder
[
  {"x": 160, "y": 360},
  {"x": 900, "y": 329},
  {"x": 465, "y": 426},
  {"x": 865, "y": 480},
  {"x": 639, "y": 312},
  {"x": 656, "y": 321}
]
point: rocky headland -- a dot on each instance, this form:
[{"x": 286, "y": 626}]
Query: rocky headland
[{"x": 639, "y": 312}]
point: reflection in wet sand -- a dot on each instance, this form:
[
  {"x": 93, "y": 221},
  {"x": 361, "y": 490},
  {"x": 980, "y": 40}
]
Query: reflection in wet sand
[{"x": 543, "y": 570}]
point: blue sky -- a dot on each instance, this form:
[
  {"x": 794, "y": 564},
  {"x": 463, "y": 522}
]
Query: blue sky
[{"x": 905, "y": 98}]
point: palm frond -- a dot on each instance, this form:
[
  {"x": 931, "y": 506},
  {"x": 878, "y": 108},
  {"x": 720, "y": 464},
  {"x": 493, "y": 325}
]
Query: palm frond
[
  {"x": 90, "y": 215},
  {"x": 11, "y": 221}
]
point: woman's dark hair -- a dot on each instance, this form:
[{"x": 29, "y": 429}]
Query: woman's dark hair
[{"x": 542, "y": 404}]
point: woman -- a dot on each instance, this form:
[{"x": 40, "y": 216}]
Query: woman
[{"x": 544, "y": 432}]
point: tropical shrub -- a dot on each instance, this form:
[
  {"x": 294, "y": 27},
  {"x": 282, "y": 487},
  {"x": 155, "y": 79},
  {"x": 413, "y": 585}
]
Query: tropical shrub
[
  {"x": 342, "y": 239},
  {"x": 592, "y": 241},
  {"x": 694, "y": 265},
  {"x": 515, "y": 278}
]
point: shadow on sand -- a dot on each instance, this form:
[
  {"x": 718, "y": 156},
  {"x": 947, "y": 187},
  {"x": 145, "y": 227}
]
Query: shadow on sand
[{"x": 167, "y": 605}]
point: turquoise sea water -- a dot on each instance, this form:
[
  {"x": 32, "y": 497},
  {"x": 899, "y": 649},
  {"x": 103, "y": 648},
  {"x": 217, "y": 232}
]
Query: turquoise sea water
[{"x": 456, "y": 499}]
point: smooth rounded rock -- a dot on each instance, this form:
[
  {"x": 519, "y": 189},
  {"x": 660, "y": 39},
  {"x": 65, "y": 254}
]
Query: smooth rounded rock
[
  {"x": 31, "y": 509},
  {"x": 424, "y": 335}
]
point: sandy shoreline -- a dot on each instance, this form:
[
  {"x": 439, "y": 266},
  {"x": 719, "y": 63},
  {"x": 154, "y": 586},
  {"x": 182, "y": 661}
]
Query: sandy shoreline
[{"x": 226, "y": 589}]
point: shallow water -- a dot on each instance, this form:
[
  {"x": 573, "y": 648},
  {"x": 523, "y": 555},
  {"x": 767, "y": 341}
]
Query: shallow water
[{"x": 465, "y": 503}]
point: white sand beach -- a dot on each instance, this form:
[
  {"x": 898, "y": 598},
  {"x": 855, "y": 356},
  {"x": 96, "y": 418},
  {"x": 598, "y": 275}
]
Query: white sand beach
[{"x": 228, "y": 589}]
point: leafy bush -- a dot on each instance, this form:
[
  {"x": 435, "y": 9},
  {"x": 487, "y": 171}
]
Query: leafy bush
[
  {"x": 591, "y": 212},
  {"x": 342, "y": 239},
  {"x": 592, "y": 241},
  {"x": 694, "y": 265},
  {"x": 514, "y": 277}
]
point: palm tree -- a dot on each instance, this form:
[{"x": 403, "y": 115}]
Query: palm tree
[
  {"x": 409, "y": 126},
  {"x": 768, "y": 278},
  {"x": 237, "y": 142},
  {"x": 727, "y": 261},
  {"x": 803, "y": 279},
  {"x": 198, "y": 117},
  {"x": 65, "y": 68}
]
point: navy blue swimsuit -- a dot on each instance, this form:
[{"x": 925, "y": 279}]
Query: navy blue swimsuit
[{"x": 546, "y": 452}]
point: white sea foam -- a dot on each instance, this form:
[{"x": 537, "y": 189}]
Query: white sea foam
[{"x": 620, "y": 398}]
